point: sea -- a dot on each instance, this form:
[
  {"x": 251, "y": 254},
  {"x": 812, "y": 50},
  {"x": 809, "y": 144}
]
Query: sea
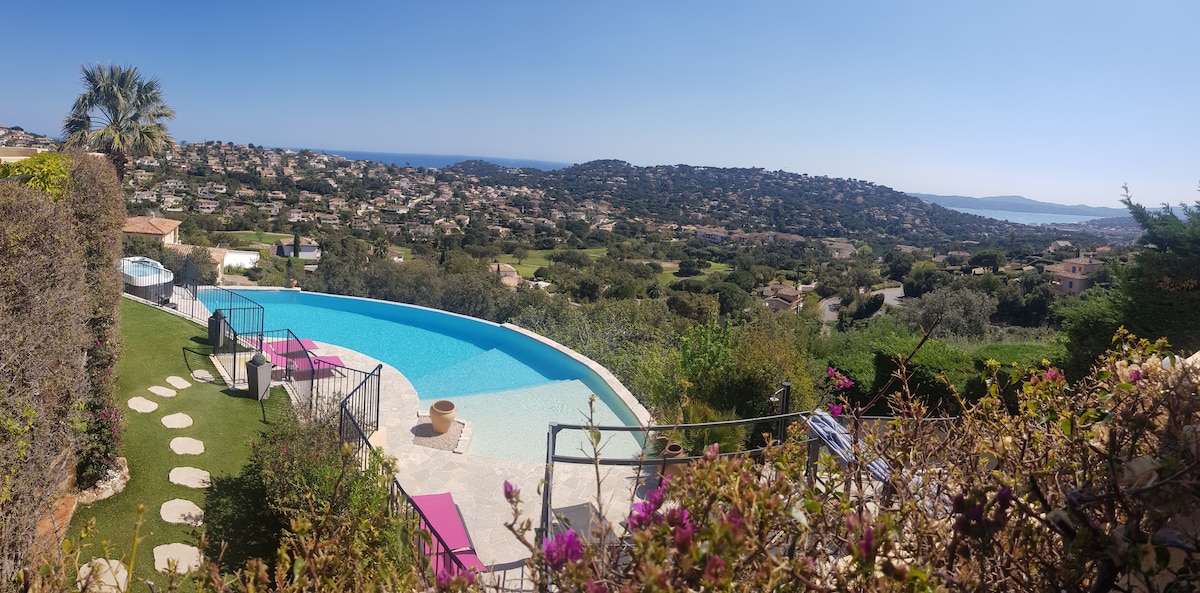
[
  {"x": 1027, "y": 217},
  {"x": 438, "y": 161}
]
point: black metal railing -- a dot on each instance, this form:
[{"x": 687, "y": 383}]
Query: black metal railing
[
  {"x": 650, "y": 434},
  {"x": 236, "y": 334},
  {"x": 358, "y": 411},
  {"x": 433, "y": 553}
]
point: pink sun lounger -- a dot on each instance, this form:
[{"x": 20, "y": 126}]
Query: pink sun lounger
[{"x": 443, "y": 517}]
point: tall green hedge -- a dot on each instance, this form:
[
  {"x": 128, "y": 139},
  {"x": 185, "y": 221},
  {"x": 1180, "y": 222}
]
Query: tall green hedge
[
  {"x": 43, "y": 375},
  {"x": 98, "y": 204}
]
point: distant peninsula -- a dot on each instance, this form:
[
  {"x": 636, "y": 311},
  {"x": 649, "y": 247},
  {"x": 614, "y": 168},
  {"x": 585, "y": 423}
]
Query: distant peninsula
[{"x": 1020, "y": 204}]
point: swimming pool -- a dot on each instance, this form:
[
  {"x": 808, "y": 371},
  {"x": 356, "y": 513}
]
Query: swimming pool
[{"x": 508, "y": 385}]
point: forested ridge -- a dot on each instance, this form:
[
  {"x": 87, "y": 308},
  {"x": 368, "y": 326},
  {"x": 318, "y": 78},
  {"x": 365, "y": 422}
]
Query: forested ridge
[{"x": 755, "y": 200}]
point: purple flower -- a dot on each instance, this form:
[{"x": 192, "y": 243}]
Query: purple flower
[
  {"x": 1134, "y": 375},
  {"x": 655, "y": 497},
  {"x": 646, "y": 513},
  {"x": 684, "y": 528},
  {"x": 867, "y": 543},
  {"x": 711, "y": 451},
  {"x": 831, "y": 373},
  {"x": 562, "y": 548},
  {"x": 714, "y": 569},
  {"x": 510, "y": 492},
  {"x": 734, "y": 520},
  {"x": 835, "y": 410}
]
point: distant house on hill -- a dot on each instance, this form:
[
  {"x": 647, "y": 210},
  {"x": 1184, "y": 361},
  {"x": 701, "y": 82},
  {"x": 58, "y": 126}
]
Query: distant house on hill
[
  {"x": 781, "y": 297},
  {"x": 309, "y": 249},
  {"x": 841, "y": 250},
  {"x": 1072, "y": 276},
  {"x": 163, "y": 230},
  {"x": 216, "y": 255},
  {"x": 508, "y": 275},
  {"x": 1056, "y": 246}
]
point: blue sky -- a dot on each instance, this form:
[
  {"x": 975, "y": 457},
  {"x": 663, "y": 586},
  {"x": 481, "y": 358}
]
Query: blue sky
[{"x": 1059, "y": 101}]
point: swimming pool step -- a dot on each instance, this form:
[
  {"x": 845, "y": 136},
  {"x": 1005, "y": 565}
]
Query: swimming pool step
[
  {"x": 524, "y": 414},
  {"x": 489, "y": 371}
]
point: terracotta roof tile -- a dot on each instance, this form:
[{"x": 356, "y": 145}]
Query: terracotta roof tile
[{"x": 146, "y": 225}]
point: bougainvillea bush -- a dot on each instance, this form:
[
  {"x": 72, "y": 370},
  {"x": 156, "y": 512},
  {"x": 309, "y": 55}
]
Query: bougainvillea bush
[{"x": 1087, "y": 487}]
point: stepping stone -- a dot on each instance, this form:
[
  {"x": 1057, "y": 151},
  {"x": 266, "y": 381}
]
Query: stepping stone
[
  {"x": 187, "y": 446},
  {"x": 178, "y": 382},
  {"x": 187, "y": 558},
  {"x": 162, "y": 391},
  {"x": 178, "y": 510},
  {"x": 141, "y": 404},
  {"x": 190, "y": 477},
  {"x": 103, "y": 575},
  {"x": 179, "y": 420},
  {"x": 202, "y": 376}
]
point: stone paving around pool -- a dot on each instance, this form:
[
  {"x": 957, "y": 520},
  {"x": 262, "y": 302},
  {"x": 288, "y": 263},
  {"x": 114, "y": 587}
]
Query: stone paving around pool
[{"x": 477, "y": 483}]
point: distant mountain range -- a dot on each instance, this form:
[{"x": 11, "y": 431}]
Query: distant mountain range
[{"x": 1020, "y": 204}]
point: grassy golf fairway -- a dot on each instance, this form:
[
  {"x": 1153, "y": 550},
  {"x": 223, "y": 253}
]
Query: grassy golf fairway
[{"x": 158, "y": 345}]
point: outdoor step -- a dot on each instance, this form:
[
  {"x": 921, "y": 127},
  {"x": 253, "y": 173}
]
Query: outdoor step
[
  {"x": 463, "y": 377},
  {"x": 162, "y": 391},
  {"x": 187, "y": 446},
  {"x": 142, "y": 405},
  {"x": 187, "y": 558},
  {"x": 103, "y": 575},
  {"x": 178, "y": 382},
  {"x": 179, "y": 420},
  {"x": 190, "y": 477},
  {"x": 178, "y": 510}
]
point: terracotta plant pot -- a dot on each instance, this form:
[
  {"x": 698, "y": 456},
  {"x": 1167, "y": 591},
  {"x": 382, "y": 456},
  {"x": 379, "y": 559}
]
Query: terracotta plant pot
[
  {"x": 441, "y": 415},
  {"x": 673, "y": 470}
]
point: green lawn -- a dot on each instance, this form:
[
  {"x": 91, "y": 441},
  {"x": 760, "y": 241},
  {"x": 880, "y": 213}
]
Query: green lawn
[
  {"x": 267, "y": 237},
  {"x": 157, "y": 345},
  {"x": 537, "y": 259},
  {"x": 670, "y": 268}
]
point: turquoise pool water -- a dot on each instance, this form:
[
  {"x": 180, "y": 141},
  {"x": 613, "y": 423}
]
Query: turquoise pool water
[{"x": 508, "y": 385}]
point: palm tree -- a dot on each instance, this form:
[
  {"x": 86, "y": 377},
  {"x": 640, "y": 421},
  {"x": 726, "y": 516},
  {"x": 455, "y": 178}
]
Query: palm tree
[{"x": 119, "y": 114}]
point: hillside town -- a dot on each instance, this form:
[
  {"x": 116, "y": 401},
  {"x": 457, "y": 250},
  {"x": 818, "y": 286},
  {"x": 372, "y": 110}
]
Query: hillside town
[{"x": 248, "y": 187}]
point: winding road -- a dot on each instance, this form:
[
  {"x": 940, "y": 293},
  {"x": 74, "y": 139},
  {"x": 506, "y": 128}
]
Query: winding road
[{"x": 829, "y": 306}]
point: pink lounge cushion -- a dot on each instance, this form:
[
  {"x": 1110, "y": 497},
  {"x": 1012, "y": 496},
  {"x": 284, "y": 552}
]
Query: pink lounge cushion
[
  {"x": 444, "y": 518},
  {"x": 289, "y": 347}
]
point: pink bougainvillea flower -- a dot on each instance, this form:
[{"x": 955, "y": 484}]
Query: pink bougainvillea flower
[
  {"x": 711, "y": 451},
  {"x": 510, "y": 491},
  {"x": 562, "y": 548},
  {"x": 835, "y": 410},
  {"x": 714, "y": 569},
  {"x": 831, "y": 372}
]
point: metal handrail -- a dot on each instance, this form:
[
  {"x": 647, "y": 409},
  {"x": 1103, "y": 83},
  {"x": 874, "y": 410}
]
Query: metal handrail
[
  {"x": 406, "y": 507},
  {"x": 552, "y": 456}
]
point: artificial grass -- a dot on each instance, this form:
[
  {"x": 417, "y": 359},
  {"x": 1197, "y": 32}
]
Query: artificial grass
[{"x": 157, "y": 345}]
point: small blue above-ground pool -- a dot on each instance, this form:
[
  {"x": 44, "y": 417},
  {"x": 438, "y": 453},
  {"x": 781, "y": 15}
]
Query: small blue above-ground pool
[{"x": 508, "y": 385}]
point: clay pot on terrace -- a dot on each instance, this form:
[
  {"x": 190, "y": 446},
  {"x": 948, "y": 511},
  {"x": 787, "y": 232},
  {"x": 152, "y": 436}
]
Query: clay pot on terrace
[
  {"x": 673, "y": 470},
  {"x": 441, "y": 415}
]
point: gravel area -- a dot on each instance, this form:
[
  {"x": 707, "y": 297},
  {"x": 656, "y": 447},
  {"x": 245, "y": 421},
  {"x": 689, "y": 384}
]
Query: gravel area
[{"x": 424, "y": 436}]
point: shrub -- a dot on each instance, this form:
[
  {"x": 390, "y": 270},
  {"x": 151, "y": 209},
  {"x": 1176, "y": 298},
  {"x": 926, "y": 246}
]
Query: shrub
[
  {"x": 310, "y": 477},
  {"x": 1087, "y": 487},
  {"x": 43, "y": 380},
  {"x": 48, "y": 171},
  {"x": 98, "y": 205}
]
